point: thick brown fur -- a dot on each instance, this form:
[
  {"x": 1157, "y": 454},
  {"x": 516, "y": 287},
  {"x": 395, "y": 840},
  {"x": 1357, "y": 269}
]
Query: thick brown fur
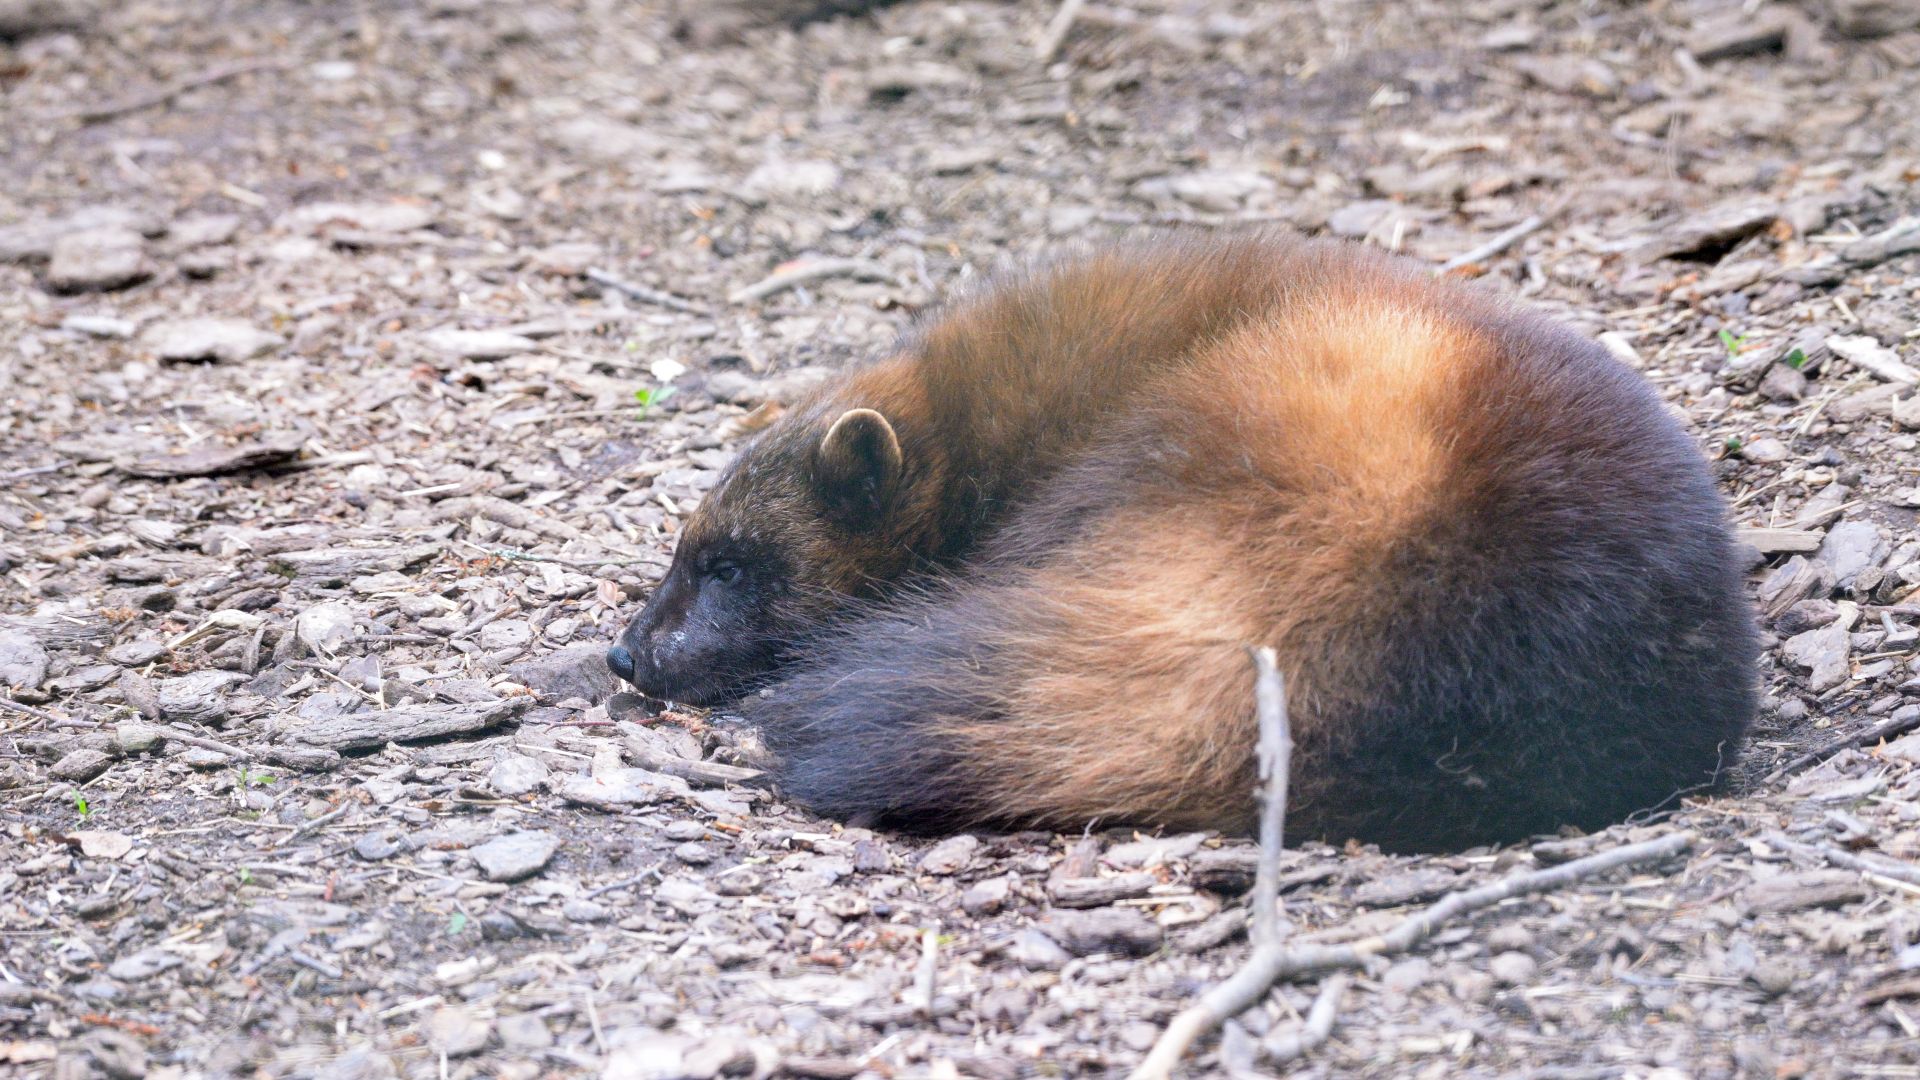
[{"x": 1495, "y": 570}]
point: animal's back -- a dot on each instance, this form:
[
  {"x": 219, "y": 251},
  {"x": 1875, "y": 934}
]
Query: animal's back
[{"x": 1497, "y": 574}]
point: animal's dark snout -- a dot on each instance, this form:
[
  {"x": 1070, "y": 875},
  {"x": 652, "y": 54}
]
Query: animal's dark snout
[{"x": 620, "y": 662}]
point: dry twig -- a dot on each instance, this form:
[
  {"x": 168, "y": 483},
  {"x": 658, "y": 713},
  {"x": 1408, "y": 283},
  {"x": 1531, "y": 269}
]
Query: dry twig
[
  {"x": 180, "y": 734},
  {"x": 1318, "y": 1027},
  {"x": 923, "y": 977},
  {"x": 1057, "y": 30},
  {"x": 111, "y": 109},
  {"x": 644, "y": 294},
  {"x": 27, "y": 710},
  {"x": 1499, "y": 243},
  {"x": 1885, "y": 730},
  {"x": 1276, "y": 757},
  {"x": 805, "y": 273},
  {"x": 1219, "y": 1004},
  {"x": 1879, "y": 867}
]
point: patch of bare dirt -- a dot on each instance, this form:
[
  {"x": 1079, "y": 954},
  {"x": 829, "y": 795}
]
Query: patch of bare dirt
[{"x": 323, "y": 482}]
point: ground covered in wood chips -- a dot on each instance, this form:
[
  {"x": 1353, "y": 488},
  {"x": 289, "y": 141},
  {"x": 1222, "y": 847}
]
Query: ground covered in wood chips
[{"x": 323, "y": 482}]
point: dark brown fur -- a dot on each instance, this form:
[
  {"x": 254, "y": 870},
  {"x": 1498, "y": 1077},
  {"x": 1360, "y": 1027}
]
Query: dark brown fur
[{"x": 1498, "y": 578}]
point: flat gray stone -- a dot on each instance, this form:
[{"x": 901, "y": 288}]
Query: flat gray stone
[
  {"x": 199, "y": 698},
  {"x": 22, "y": 661},
  {"x": 950, "y": 856},
  {"x": 1035, "y": 951},
  {"x": 144, "y": 964},
  {"x": 81, "y": 765},
  {"x": 100, "y": 326},
  {"x": 455, "y": 1031},
  {"x": 34, "y": 240},
  {"x": 98, "y": 259},
  {"x": 1103, "y": 930},
  {"x": 230, "y": 340},
  {"x": 516, "y": 855},
  {"x": 323, "y": 628},
  {"x": 506, "y": 634},
  {"x": 370, "y": 217},
  {"x": 479, "y": 344},
  {"x": 1852, "y": 547},
  {"x": 1821, "y": 653},
  {"x": 517, "y": 774},
  {"x": 578, "y": 671},
  {"x": 405, "y": 723},
  {"x": 523, "y": 1031},
  {"x": 136, "y": 653}
]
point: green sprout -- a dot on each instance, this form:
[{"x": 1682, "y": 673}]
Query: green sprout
[
  {"x": 1733, "y": 344},
  {"x": 649, "y": 398},
  {"x": 80, "y": 804},
  {"x": 249, "y": 778},
  {"x": 456, "y": 923},
  {"x": 246, "y": 876},
  {"x": 1796, "y": 359},
  {"x": 1733, "y": 444}
]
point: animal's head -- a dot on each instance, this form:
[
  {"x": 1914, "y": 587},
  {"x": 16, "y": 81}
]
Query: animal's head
[{"x": 802, "y": 523}]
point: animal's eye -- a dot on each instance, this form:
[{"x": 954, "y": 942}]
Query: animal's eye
[{"x": 723, "y": 573}]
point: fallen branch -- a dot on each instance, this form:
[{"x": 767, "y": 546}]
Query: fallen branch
[
  {"x": 644, "y": 294},
  {"x": 180, "y": 734},
  {"x": 1319, "y": 1025},
  {"x": 315, "y": 825},
  {"x": 1270, "y": 963},
  {"x": 863, "y": 269},
  {"x": 625, "y": 883},
  {"x": 111, "y": 109},
  {"x": 1057, "y": 30},
  {"x": 37, "y": 470},
  {"x": 1885, "y": 730},
  {"x": 1500, "y": 242},
  {"x": 924, "y": 975},
  {"x": 1886, "y": 868},
  {"x": 708, "y": 773},
  {"x": 27, "y": 710},
  {"x": 1218, "y": 1005},
  {"x": 1276, "y": 758}
]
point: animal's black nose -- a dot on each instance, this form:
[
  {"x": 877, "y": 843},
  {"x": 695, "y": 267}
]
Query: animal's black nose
[{"x": 620, "y": 661}]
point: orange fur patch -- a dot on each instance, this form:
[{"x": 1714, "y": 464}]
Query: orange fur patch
[{"x": 1134, "y": 689}]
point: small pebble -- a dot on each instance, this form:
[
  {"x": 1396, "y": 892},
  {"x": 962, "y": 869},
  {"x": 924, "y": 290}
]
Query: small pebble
[
  {"x": 684, "y": 829},
  {"x": 81, "y": 765},
  {"x": 584, "y": 911},
  {"x": 1776, "y": 977},
  {"x": 950, "y": 856},
  {"x": 375, "y": 846},
  {"x": 516, "y": 855},
  {"x": 455, "y": 1031},
  {"x": 986, "y": 897},
  {"x": 1513, "y": 968},
  {"x": 1510, "y": 938}
]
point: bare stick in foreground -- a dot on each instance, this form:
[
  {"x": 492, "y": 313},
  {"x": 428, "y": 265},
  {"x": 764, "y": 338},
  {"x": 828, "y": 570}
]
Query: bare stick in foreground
[
  {"x": 1881, "y": 866},
  {"x": 1276, "y": 757},
  {"x": 644, "y": 294},
  {"x": 1500, "y": 242},
  {"x": 1057, "y": 30},
  {"x": 109, "y": 110},
  {"x": 1270, "y": 963},
  {"x": 1319, "y": 1025}
]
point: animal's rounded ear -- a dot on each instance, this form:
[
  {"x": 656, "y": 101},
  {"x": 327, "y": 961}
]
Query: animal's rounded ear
[{"x": 858, "y": 466}]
